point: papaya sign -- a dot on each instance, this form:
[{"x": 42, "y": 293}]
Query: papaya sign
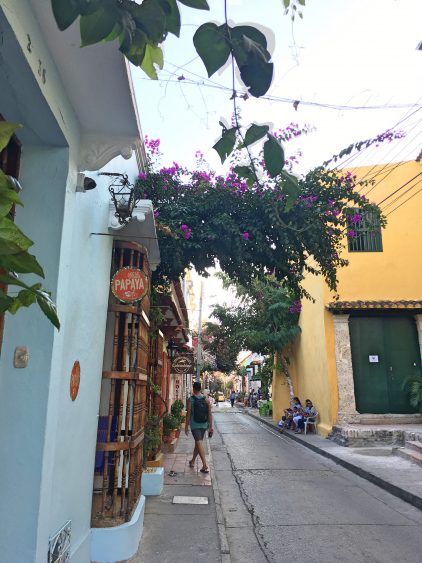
[{"x": 129, "y": 284}]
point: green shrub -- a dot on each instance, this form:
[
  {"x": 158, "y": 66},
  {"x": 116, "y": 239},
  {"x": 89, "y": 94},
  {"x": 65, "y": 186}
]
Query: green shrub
[
  {"x": 170, "y": 422},
  {"x": 152, "y": 434}
]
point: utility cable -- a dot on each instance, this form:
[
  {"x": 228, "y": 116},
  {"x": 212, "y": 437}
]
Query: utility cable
[{"x": 400, "y": 196}]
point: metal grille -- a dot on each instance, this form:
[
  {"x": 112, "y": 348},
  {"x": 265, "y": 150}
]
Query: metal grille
[{"x": 368, "y": 233}]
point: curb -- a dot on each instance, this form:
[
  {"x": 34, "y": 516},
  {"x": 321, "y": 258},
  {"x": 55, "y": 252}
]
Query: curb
[
  {"x": 402, "y": 494},
  {"x": 221, "y": 528}
]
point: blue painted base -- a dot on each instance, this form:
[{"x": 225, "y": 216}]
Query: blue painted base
[
  {"x": 109, "y": 545},
  {"x": 153, "y": 483}
]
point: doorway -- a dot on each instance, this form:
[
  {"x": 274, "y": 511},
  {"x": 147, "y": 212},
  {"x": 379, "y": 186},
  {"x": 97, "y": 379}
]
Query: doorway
[{"x": 385, "y": 351}]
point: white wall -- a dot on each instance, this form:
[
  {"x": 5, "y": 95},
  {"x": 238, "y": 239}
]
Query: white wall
[{"x": 49, "y": 441}]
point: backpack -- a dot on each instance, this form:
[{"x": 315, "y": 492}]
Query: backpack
[{"x": 200, "y": 409}]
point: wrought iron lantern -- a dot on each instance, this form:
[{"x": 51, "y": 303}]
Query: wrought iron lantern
[
  {"x": 172, "y": 349},
  {"x": 122, "y": 195}
]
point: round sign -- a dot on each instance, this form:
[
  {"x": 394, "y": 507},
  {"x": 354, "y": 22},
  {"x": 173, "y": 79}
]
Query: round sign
[
  {"x": 182, "y": 364},
  {"x": 129, "y": 284},
  {"x": 75, "y": 379}
]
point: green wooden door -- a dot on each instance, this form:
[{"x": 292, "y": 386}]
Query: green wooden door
[{"x": 393, "y": 342}]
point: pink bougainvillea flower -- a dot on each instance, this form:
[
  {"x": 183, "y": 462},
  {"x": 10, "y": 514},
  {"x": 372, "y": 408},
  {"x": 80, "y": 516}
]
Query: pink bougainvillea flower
[
  {"x": 296, "y": 307},
  {"x": 186, "y": 231},
  {"x": 351, "y": 233},
  {"x": 245, "y": 236}
]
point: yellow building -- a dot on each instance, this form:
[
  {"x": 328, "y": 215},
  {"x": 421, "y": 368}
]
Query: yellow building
[{"x": 355, "y": 352}]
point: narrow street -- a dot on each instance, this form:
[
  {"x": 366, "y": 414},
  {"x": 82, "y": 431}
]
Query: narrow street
[{"x": 282, "y": 502}]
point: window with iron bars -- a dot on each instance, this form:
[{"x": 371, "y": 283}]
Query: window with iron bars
[{"x": 366, "y": 233}]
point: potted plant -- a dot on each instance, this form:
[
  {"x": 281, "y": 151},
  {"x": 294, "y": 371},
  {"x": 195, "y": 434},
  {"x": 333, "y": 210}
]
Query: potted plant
[
  {"x": 177, "y": 410},
  {"x": 170, "y": 425},
  {"x": 152, "y": 437}
]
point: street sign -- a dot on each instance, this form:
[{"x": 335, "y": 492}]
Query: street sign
[
  {"x": 183, "y": 363},
  {"x": 129, "y": 285}
]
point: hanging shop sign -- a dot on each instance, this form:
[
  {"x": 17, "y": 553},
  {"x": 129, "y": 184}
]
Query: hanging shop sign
[
  {"x": 75, "y": 379},
  {"x": 129, "y": 284},
  {"x": 183, "y": 363}
]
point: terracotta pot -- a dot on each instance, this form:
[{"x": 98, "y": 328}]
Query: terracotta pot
[{"x": 170, "y": 437}]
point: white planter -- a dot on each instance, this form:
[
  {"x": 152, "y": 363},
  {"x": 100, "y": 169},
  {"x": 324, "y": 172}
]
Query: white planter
[{"x": 153, "y": 482}]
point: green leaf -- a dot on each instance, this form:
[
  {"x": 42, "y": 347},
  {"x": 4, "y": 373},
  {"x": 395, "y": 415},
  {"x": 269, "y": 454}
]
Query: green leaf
[
  {"x": 254, "y": 133},
  {"x": 273, "y": 156},
  {"x": 48, "y": 308},
  {"x": 212, "y": 46},
  {"x": 115, "y": 33},
  {"x": 247, "y": 173},
  {"x": 197, "y": 4},
  {"x": 23, "y": 263},
  {"x": 136, "y": 52},
  {"x": 151, "y": 18},
  {"x": 252, "y": 33},
  {"x": 171, "y": 10},
  {"x": 291, "y": 188},
  {"x": 153, "y": 56},
  {"x": 12, "y": 239},
  {"x": 65, "y": 13},
  {"x": 8, "y": 196},
  {"x": 98, "y": 26},
  {"x": 286, "y": 3},
  {"x": 10, "y": 279},
  {"x": 257, "y": 75},
  {"x": 225, "y": 145},
  {"x": 88, "y": 7},
  {"x": 5, "y": 301},
  {"x": 25, "y": 298},
  {"x": 6, "y": 131}
]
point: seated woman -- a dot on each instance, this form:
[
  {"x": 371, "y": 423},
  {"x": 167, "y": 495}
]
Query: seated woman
[
  {"x": 309, "y": 413},
  {"x": 287, "y": 420}
]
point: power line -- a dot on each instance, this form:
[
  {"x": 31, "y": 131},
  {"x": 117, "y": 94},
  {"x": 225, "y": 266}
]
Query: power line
[
  {"x": 392, "y": 169},
  {"x": 405, "y": 117},
  {"x": 182, "y": 80},
  {"x": 401, "y": 195},
  {"x": 399, "y": 189},
  {"x": 408, "y": 199}
]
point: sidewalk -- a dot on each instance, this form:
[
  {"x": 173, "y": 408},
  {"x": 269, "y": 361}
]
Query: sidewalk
[
  {"x": 392, "y": 473},
  {"x": 185, "y": 533}
]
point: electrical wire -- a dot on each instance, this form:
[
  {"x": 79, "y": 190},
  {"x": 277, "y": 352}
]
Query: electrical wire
[
  {"x": 323, "y": 105},
  {"x": 410, "y": 188},
  {"x": 408, "y": 199},
  {"x": 399, "y": 189}
]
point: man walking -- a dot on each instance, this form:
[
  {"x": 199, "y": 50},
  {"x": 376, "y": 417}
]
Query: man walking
[
  {"x": 232, "y": 397},
  {"x": 199, "y": 418}
]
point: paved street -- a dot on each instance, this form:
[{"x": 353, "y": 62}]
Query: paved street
[{"x": 282, "y": 502}]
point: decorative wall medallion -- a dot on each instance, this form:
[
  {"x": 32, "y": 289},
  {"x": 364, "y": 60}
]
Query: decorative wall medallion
[
  {"x": 75, "y": 379},
  {"x": 129, "y": 285},
  {"x": 59, "y": 545}
]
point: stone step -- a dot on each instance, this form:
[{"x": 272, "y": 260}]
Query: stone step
[
  {"x": 413, "y": 436},
  {"x": 410, "y": 455},
  {"x": 414, "y": 445}
]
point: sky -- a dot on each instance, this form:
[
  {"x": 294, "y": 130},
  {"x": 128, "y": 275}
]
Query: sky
[{"x": 342, "y": 53}]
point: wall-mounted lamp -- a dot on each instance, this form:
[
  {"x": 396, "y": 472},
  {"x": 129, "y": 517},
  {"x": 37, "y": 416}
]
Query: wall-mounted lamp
[
  {"x": 122, "y": 195},
  {"x": 172, "y": 349}
]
